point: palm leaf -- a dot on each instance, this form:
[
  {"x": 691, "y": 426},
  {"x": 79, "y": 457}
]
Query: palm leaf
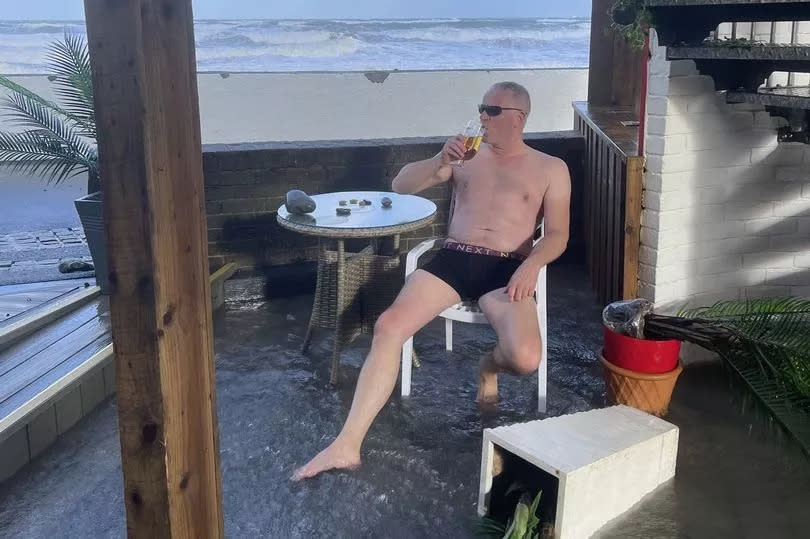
[
  {"x": 16, "y": 89},
  {"x": 70, "y": 60},
  {"x": 773, "y": 333},
  {"x": 30, "y": 113},
  {"x": 38, "y": 152},
  {"x": 50, "y": 147}
]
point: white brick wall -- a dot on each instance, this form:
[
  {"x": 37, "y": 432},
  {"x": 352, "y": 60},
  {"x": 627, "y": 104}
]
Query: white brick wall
[{"x": 726, "y": 207}]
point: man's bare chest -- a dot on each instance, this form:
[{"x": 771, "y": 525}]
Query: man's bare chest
[{"x": 490, "y": 186}]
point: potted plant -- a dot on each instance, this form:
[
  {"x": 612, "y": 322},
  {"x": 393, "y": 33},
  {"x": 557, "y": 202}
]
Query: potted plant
[
  {"x": 630, "y": 19},
  {"x": 771, "y": 335},
  {"x": 60, "y": 139}
]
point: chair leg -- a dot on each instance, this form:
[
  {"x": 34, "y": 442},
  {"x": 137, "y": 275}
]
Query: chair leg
[
  {"x": 542, "y": 375},
  {"x": 448, "y": 331},
  {"x": 405, "y": 381}
]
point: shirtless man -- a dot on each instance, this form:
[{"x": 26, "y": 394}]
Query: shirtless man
[{"x": 499, "y": 195}]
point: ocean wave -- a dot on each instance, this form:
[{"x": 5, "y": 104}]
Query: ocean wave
[
  {"x": 339, "y": 46},
  {"x": 345, "y": 44},
  {"x": 262, "y": 38},
  {"x": 396, "y": 21},
  {"x": 448, "y": 34},
  {"x": 13, "y": 27}
]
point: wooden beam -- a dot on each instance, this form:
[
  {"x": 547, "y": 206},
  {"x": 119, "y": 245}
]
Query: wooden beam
[
  {"x": 614, "y": 68},
  {"x": 147, "y": 112},
  {"x": 632, "y": 226}
]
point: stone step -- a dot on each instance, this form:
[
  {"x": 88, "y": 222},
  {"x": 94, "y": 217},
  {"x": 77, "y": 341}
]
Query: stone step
[
  {"x": 743, "y": 68},
  {"x": 691, "y": 21},
  {"x": 789, "y": 98}
]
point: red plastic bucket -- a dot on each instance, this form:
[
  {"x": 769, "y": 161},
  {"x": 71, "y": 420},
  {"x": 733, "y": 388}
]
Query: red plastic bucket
[{"x": 641, "y": 355}]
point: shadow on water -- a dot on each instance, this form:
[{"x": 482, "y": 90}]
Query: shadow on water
[{"x": 421, "y": 460}]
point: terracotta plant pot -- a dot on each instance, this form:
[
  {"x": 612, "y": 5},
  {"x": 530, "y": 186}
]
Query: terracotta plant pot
[
  {"x": 648, "y": 392},
  {"x": 641, "y": 355}
]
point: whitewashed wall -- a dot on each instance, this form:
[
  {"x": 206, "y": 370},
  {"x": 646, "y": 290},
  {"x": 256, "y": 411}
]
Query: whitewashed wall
[
  {"x": 251, "y": 107},
  {"x": 726, "y": 207}
]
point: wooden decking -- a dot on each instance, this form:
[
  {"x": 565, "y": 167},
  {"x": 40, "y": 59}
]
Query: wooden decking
[
  {"x": 16, "y": 300},
  {"x": 30, "y": 366},
  {"x": 55, "y": 364},
  {"x": 56, "y": 361}
]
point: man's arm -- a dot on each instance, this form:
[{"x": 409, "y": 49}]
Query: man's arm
[
  {"x": 556, "y": 208},
  {"x": 421, "y": 175}
]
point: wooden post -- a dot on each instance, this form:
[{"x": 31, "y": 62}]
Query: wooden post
[
  {"x": 614, "y": 72},
  {"x": 145, "y": 87},
  {"x": 632, "y": 226}
]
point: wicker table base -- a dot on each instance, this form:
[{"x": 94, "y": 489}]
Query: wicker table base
[{"x": 352, "y": 290}]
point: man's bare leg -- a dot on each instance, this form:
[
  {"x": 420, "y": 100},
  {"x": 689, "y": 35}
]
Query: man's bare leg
[
  {"x": 422, "y": 298},
  {"x": 518, "y": 348}
]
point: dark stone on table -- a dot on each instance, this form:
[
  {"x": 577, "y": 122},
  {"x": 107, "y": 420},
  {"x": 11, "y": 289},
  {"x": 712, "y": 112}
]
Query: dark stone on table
[
  {"x": 343, "y": 211},
  {"x": 386, "y": 202},
  {"x": 299, "y": 202}
]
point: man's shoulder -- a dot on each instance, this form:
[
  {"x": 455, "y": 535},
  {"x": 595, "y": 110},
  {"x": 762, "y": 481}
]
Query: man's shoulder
[
  {"x": 546, "y": 159},
  {"x": 548, "y": 163}
]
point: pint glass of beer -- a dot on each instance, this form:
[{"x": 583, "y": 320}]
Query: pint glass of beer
[{"x": 473, "y": 134}]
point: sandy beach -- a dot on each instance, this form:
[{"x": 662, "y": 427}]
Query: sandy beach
[{"x": 257, "y": 107}]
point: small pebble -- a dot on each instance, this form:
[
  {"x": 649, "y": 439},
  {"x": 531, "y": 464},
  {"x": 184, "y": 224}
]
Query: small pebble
[
  {"x": 353, "y": 201},
  {"x": 368, "y": 202},
  {"x": 386, "y": 202},
  {"x": 342, "y": 202},
  {"x": 343, "y": 211},
  {"x": 361, "y": 203}
]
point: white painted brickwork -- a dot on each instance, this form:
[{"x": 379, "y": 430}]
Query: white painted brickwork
[{"x": 726, "y": 207}]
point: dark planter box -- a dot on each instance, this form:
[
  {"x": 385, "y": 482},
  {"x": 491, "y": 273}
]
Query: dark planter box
[{"x": 91, "y": 215}]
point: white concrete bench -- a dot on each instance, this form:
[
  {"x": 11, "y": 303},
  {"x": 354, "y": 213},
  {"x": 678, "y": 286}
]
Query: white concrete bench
[{"x": 600, "y": 462}]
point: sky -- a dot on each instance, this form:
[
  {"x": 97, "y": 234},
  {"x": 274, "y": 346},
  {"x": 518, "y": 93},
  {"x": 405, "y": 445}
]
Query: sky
[{"x": 324, "y": 9}]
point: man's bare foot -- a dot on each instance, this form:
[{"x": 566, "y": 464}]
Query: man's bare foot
[
  {"x": 336, "y": 456},
  {"x": 487, "y": 381}
]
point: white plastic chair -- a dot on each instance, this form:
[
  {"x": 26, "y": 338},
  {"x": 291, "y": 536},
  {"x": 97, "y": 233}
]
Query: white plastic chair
[{"x": 469, "y": 312}]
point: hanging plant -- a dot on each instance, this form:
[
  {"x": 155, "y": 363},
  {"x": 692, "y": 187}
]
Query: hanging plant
[{"x": 630, "y": 19}]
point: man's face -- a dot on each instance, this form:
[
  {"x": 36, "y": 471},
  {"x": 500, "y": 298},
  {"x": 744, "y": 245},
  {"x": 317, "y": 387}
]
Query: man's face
[{"x": 502, "y": 126}]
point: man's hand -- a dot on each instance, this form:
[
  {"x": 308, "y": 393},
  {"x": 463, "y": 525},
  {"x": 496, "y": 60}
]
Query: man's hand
[
  {"x": 453, "y": 150},
  {"x": 523, "y": 281}
]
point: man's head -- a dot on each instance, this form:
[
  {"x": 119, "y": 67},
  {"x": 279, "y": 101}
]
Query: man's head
[{"x": 504, "y": 111}]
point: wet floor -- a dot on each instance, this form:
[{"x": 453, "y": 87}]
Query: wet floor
[{"x": 737, "y": 477}]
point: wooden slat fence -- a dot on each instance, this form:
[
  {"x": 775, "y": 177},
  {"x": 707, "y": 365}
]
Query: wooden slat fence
[{"x": 612, "y": 198}]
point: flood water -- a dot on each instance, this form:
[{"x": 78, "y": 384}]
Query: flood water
[{"x": 737, "y": 477}]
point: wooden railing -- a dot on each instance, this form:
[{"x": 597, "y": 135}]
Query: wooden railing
[{"x": 612, "y": 198}]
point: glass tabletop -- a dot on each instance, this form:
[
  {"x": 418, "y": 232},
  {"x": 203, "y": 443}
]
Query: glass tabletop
[{"x": 407, "y": 212}]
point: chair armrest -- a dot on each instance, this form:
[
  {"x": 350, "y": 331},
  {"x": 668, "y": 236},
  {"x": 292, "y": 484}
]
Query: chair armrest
[{"x": 416, "y": 252}]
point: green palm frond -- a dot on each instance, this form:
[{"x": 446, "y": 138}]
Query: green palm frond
[
  {"x": 70, "y": 60},
  {"x": 59, "y": 141},
  {"x": 773, "y": 333},
  {"x": 16, "y": 89},
  {"x": 38, "y": 152},
  {"x": 51, "y": 146}
]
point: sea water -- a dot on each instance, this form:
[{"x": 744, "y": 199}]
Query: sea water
[{"x": 343, "y": 45}]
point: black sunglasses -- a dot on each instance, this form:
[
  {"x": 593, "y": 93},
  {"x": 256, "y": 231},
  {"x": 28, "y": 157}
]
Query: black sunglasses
[{"x": 494, "y": 110}]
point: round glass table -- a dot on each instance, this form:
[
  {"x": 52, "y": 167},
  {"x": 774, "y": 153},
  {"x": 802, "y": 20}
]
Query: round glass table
[{"x": 353, "y": 288}]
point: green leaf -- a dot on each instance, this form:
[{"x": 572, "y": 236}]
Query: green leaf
[
  {"x": 773, "y": 333},
  {"x": 70, "y": 60},
  {"x": 60, "y": 140},
  {"x": 520, "y": 522}
]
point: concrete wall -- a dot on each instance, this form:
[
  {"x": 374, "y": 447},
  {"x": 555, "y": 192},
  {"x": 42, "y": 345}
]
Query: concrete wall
[
  {"x": 726, "y": 206},
  {"x": 251, "y": 107},
  {"x": 245, "y": 184}
]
